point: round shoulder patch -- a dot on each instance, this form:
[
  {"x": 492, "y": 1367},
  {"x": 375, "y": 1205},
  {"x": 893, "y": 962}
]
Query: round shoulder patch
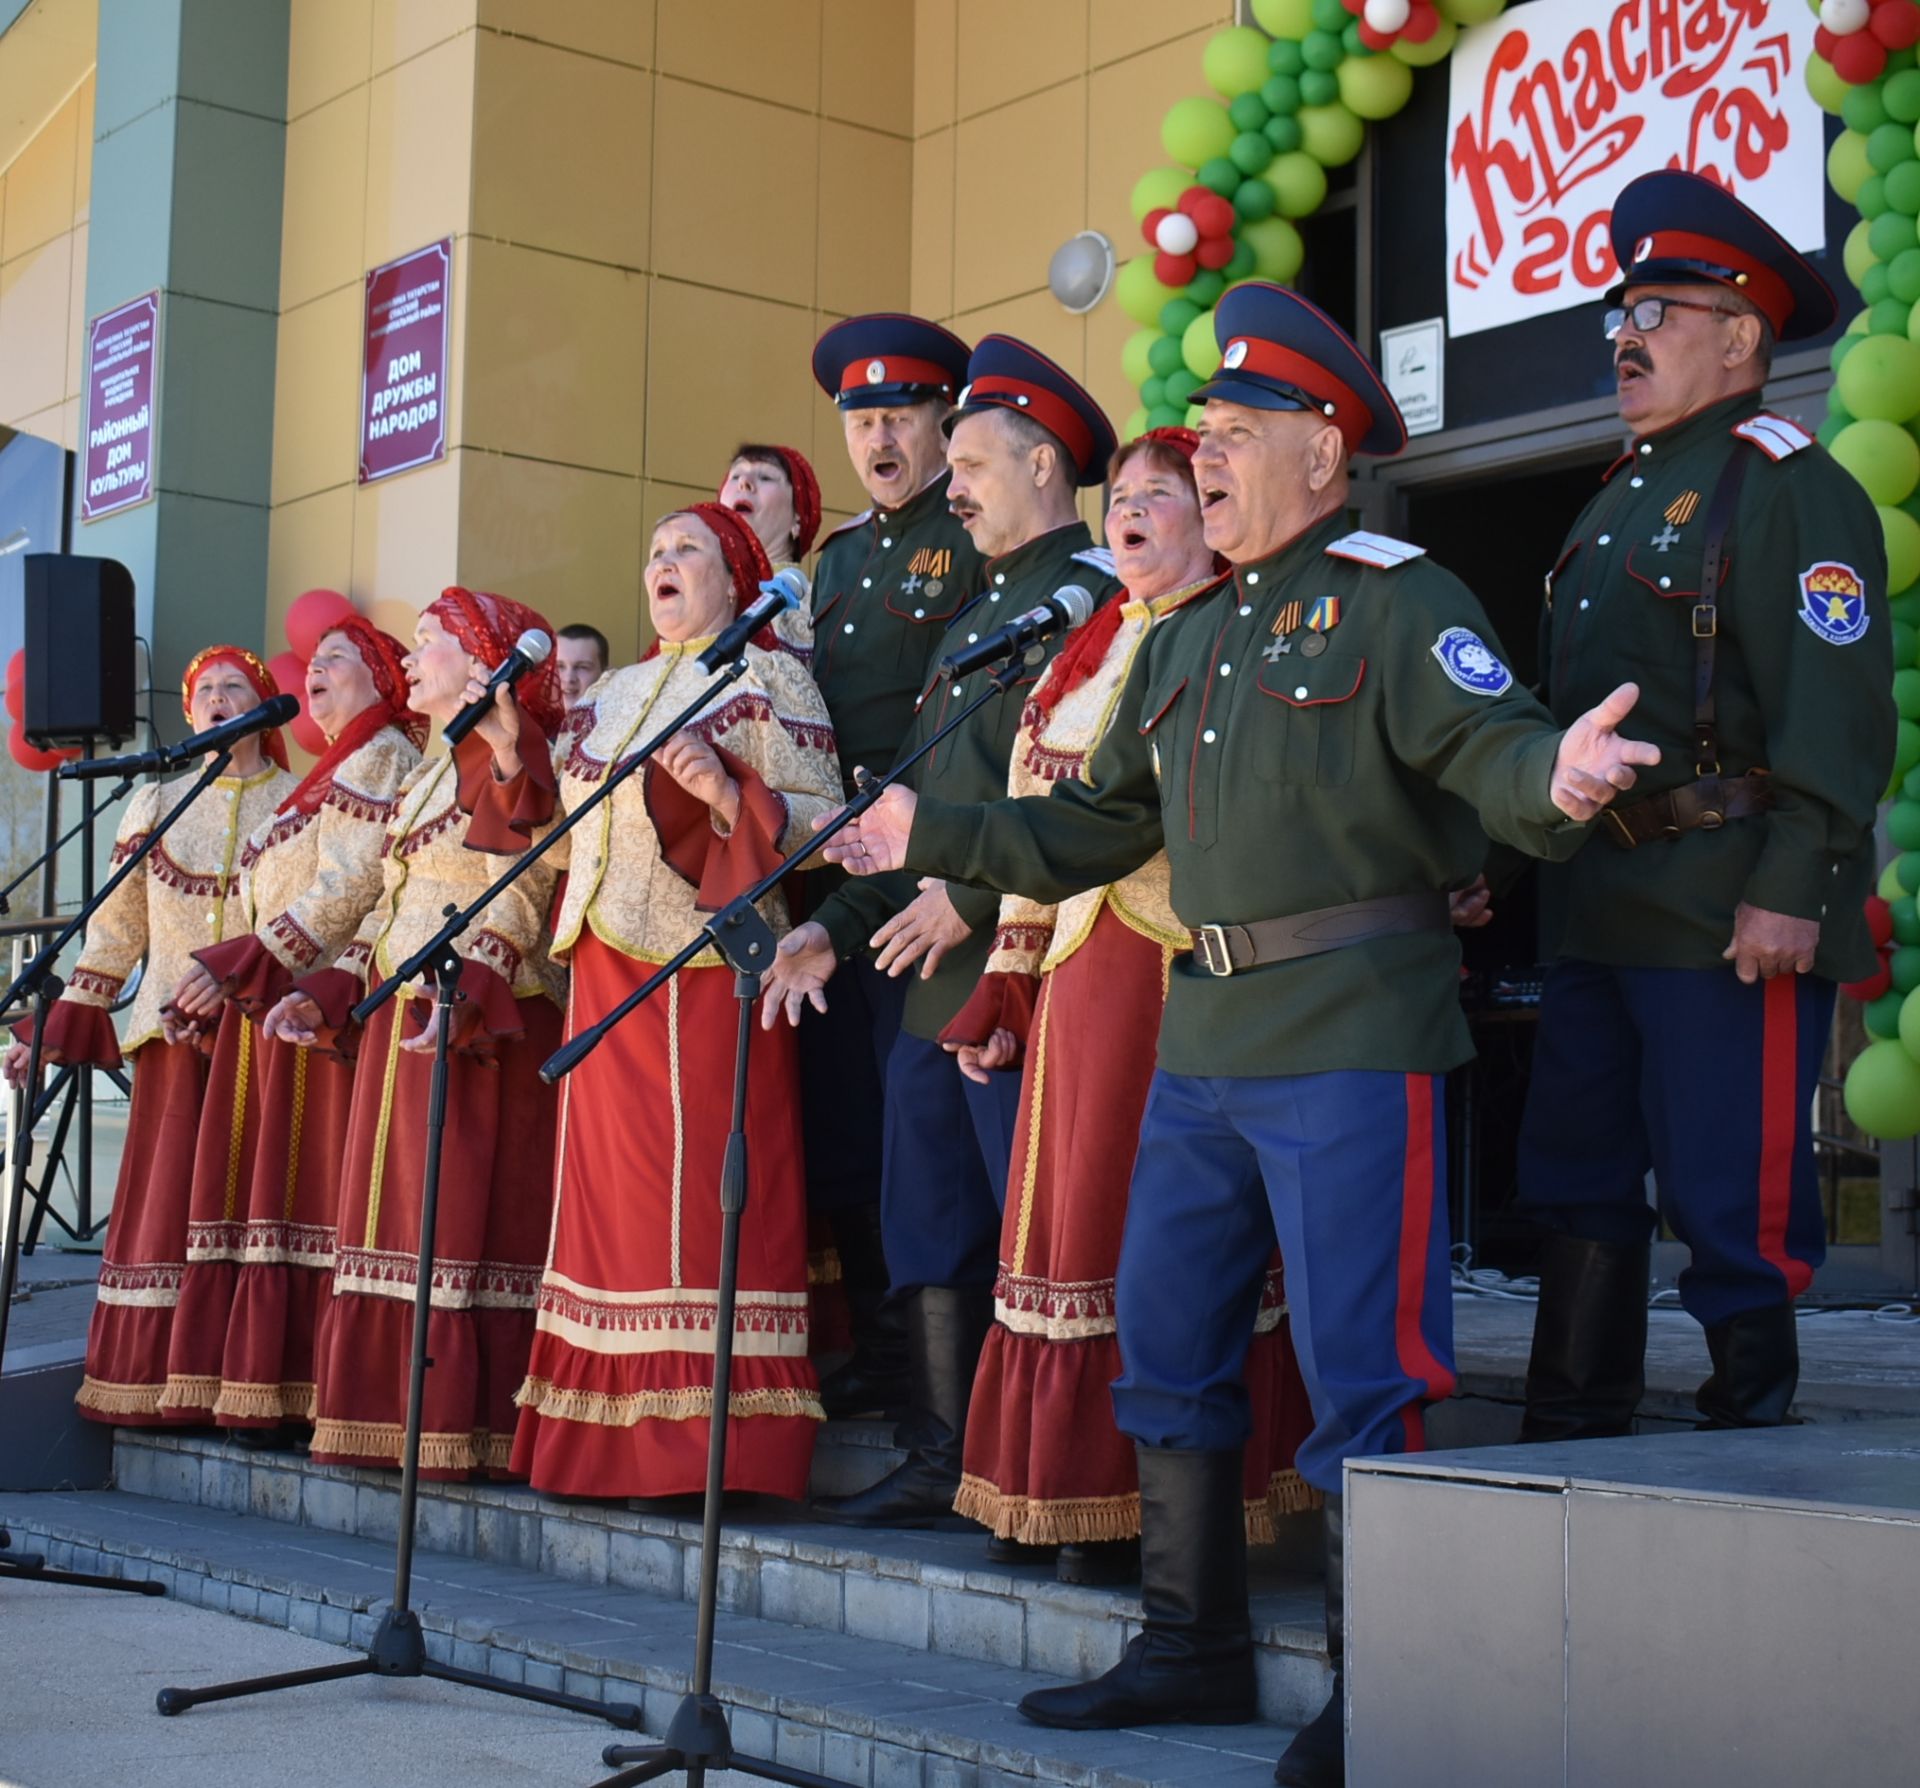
[
  {"x": 1469, "y": 661},
  {"x": 1833, "y": 602}
]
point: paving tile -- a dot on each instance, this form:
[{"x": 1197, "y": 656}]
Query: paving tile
[
  {"x": 802, "y": 1595},
  {"x": 883, "y": 1608},
  {"x": 991, "y": 1628},
  {"x": 646, "y": 1562},
  {"x": 573, "y": 1551}
]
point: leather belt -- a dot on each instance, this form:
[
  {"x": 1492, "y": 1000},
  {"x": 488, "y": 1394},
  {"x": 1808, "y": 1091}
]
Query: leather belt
[
  {"x": 1226, "y": 949},
  {"x": 1702, "y": 806}
]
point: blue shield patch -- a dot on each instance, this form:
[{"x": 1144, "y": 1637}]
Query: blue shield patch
[
  {"x": 1470, "y": 662},
  {"x": 1833, "y": 602}
]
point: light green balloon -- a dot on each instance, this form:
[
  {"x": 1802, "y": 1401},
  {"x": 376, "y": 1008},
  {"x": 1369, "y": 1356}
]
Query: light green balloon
[
  {"x": 1828, "y": 90},
  {"x": 1881, "y": 379},
  {"x": 1847, "y": 164},
  {"x": 1909, "y": 1026},
  {"x": 1903, "y": 550},
  {"x": 1235, "y": 60},
  {"x": 1906, "y": 754},
  {"x": 1883, "y": 456},
  {"x": 1299, "y": 184},
  {"x": 1159, "y": 189},
  {"x": 1374, "y": 87},
  {"x": 1284, "y": 18},
  {"x": 1136, "y": 424},
  {"x": 1198, "y": 348},
  {"x": 1471, "y": 12},
  {"x": 1857, "y": 256},
  {"x": 1437, "y": 48},
  {"x": 1142, "y": 296},
  {"x": 1888, "y": 887},
  {"x": 1883, "y": 1088},
  {"x": 1135, "y": 364},
  {"x": 1332, "y": 135},
  {"x": 1277, "y": 249},
  {"x": 1196, "y": 130}
]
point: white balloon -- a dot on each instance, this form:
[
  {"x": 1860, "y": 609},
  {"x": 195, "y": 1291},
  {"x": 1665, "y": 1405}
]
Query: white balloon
[
  {"x": 1178, "y": 234},
  {"x": 1842, "y": 17},
  {"x": 1389, "y": 15}
]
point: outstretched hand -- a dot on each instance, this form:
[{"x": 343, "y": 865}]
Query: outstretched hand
[
  {"x": 877, "y": 840},
  {"x": 1594, "y": 762},
  {"x": 802, "y": 967}
]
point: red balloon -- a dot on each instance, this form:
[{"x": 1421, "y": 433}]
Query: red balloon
[
  {"x": 1421, "y": 24},
  {"x": 17, "y": 669},
  {"x": 1823, "y": 42},
  {"x": 16, "y": 703},
  {"x": 1859, "y": 58},
  {"x": 310, "y": 617},
  {"x": 1879, "y": 921},
  {"x": 1377, "y": 41},
  {"x": 1174, "y": 270},
  {"x": 1356, "y": 7},
  {"x": 1212, "y": 215},
  {"x": 1896, "y": 23},
  {"x": 1214, "y": 252},
  {"x": 1193, "y": 196},
  {"x": 290, "y": 673},
  {"x": 307, "y": 734},
  {"x": 29, "y": 756},
  {"x": 1150, "y": 225},
  {"x": 1871, "y": 988}
]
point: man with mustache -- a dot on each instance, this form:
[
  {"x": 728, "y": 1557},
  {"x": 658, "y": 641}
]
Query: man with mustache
[
  {"x": 885, "y": 585},
  {"x": 1740, "y": 574},
  {"x": 1024, "y": 440},
  {"x": 1316, "y": 745}
]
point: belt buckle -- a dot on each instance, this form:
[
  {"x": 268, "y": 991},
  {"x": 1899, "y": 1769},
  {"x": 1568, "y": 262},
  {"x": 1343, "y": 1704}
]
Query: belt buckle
[{"x": 1210, "y": 945}]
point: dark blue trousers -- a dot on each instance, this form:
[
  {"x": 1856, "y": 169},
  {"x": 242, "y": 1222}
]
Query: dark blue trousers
[
  {"x": 1709, "y": 1083},
  {"x": 944, "y": 1177},
  {"x": 1348, "y": 1171},
  {"x": 843, "y": 1077}
]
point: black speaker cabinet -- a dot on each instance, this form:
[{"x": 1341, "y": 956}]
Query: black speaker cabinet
[{"x": 80, "y": 675}]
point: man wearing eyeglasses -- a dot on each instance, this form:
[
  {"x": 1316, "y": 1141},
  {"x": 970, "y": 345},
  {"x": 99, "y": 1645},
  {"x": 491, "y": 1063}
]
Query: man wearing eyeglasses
[{"x": 1738, "y": 574}]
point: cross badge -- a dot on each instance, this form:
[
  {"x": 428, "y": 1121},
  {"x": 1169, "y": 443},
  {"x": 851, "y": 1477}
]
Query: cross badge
[
  {"x": 1278, "y": 650},
  {"x": 910, "y": 584},
  {"x": 1668, "y": 536}
]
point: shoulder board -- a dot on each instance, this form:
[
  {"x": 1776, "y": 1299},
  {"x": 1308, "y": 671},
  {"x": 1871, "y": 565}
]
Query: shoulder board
[
  {"x": 1381, "y": 551},
  {"x": 1777, "y": 437},
  {"x": 1096, "y": 556},
  {"x": 858, "y": 521}
]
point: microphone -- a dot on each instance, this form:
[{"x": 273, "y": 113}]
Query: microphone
[
  {"x": 1065, "y": 608},
  {"x": 786, "y": 589},
  {"x": 530, "y": 650},
  {"x": 281, "y": 710}
]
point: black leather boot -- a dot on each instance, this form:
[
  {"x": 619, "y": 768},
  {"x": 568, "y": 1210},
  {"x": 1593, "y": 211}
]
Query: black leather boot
[
  {"x": 1756, "y": 1370},
  {"x": 945, "y": 1331},
  {"x": 1099, "y": 1564},
  {"x": 1194, "y": 1660},
  {"x": 1589, "y": 1340},
  {"x": 1317, "y": 1758},
  {"x": 876, "y": 1381}
]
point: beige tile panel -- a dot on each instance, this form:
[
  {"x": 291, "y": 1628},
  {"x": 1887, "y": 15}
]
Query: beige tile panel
[
  {"x": 615, "y": 30},
  {"x": 841, "y": 493},
  {"x": 1107, "y": 328},
  {"x": 403, "y": 28},
  {"x": 1008, "y": 48},
  {"x": 309, "y": 547},
  {"x": 734, "y": 203},
  {"x": 1125, "y": 27},
  {"x": 561, "y": 151},
  {"x": 83, "y": 152},
  {"x": 1125, "y": 103},
  {"x": 316, "y": 408},
  {"x": 866, "y": 204},
  {"x": 936, "y": 42},
  {"x": 555, "y": 360},
  {"x": 867, "y": 63},
  {"x": 1036, "y": 319},
  {"x": 40, "y": 191},
  {"x": 43, "y": 425},
  {"x": 768, "y": 49},
  {"x": 323, "y": 219},
  {"x": 406, "y": 534},
  {"x": 35, "y": 309},
  {"x": 329, "y": 49},
  {"x": 1020, "y": 191},
  {"x": 77, "y": 310},
  {"x": 930, "y": 287},
  {"x": 420, "y": 170},
  {"x": 566, "y": 541}
]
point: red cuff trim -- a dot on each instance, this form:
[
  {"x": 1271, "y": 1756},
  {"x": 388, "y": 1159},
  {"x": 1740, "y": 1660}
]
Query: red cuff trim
[
  {"x": 999, "y": 1002},
  {"x": 75, "y": 1033},
  {"x": 248, "y": 972},
  {"x": 336, "y": 991},
  {"x": 720, "y": 868},
  {"x": 485, "y": 1013},
  {"x": 506, "y": 814}
]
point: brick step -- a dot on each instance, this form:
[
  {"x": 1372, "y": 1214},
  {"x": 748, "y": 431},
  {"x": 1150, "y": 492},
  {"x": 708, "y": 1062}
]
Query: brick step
[
  {"x": 928, "y": 1592},
  {"x": 861, "y": 1709}
]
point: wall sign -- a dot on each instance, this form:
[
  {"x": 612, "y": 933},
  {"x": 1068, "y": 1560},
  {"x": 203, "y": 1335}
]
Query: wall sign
[
  {"x": 1557, "y": 105},
  {"x": 1413, "y": 361},
  {"x": 123, "y": 351},
  {"x": 403, "y": 373}
]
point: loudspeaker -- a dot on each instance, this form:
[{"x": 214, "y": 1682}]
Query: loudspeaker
[{"x": 80, "y": 676}]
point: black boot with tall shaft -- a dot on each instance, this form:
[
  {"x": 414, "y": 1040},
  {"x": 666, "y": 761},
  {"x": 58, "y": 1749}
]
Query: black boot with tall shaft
[
  {"x": 1756, "y": 1369},
  {"x": 1317, "y": 1758},
  {"x": 1588, "y": 1368},
  {"x": 1193, "y": 1659},
  {"x": 876, "y": 1381}
]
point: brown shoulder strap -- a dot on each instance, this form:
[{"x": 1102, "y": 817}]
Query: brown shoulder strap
[{"x": 1706, "y": 612}]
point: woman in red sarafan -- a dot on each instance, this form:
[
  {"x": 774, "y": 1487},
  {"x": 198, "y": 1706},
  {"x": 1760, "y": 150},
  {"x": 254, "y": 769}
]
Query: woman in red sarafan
[
  {"x": 266, "y": 1170},
  {"x": 496, "y": 1187},
  {"x": 618, "y": 1393},
  {"x": 1070, "y": 992},
  {"x": 185, "y": 893}
]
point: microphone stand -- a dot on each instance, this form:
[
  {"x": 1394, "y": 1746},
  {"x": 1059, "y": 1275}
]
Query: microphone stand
[
  {"x": 38, "y": 979},
  {"x": 398, "y": 1647},
  {"x": 698, "y": 1738},
  {"x": 120, "y": 793}
]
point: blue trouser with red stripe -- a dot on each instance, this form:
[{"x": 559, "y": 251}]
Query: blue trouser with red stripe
[
  {"x": 1707, "y": 1081},
  {"x": 1347, "y": 1171}
]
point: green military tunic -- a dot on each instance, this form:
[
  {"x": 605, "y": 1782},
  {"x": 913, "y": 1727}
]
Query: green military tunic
[
  {"x": 1285, "y": 768},
  {"x": 884, "y": 588},
  {"x": 969, "y": 766},
  {"x": 1803, "y": 681}
]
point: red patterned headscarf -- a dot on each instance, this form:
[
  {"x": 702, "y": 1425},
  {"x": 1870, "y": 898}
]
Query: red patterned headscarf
[
  {"x": 747, "y": 562},
  {"x": 806, "y": 495},
  {"x": 381, "y": 653},
  {"x": 489, "y": 626},
  {"x": 255, "y": 673}
]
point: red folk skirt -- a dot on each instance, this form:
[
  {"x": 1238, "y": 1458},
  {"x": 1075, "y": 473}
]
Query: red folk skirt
[
  {"x": 144, "y": 1259},
  {"x": 1044, "y": 1462},
  {"x": 490, "y": 1239},
  {"x": 618, "y": 1393}
]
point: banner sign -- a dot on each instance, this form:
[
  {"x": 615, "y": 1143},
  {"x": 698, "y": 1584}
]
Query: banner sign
[
  {"x": 1556, "y": 105},
  {"x": 123, "y": 349},
  {"x": 403, "y": 371}
]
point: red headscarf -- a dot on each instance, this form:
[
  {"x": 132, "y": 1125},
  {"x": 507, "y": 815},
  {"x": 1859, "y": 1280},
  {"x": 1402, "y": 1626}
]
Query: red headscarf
[
  {"x": 806, "y": 495},
  {"x": 747, "y": 562},
  {"x": 489, "y": 626},
  {"x": 255, "y": 673},
  {"x": 381, "y": 654}
]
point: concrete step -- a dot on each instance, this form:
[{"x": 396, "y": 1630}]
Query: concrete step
[
  {"x": 925, "y": 1592},
  {"x": 863, "y": 1710}
]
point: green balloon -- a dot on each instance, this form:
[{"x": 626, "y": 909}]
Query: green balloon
[
  {"x": 1164, "y": 356},
  {"x": 1881, "y": 378},
  {"x": 1871, "y": 200},
  {"x": 1332, "y": 135},
  {"x": 1889, "y": 144},
  {"x": 1882, "y": 1093},
  {"x": 1903, "y": 275},
  {"x": 1241, "y": 266},
  {"x": 1906, "y": 749},
  {"x": 1139, "y": 293},
  {"x": 1235, "y": 60},
  {"x": 1906, "y": 606},
  {"x": 1824, "y": 83},
  {"x": 1299, "y": 184},
  {"x": 1353, "y": 43},
  {"x": 1177, "y": 315},
  {"x": 1840, "y": 350},
  {"x": 1883, "y": 456},
  {"x": 1164, "y": 416},
  {"x": 1374, "y": 87},
  {"x": 1206, "y": 286},
  {"x": 1136, "y": 357},
  {"x": 1282, "y": 96},
  {"x": 1158, "y": 189},
  {"x": 1863, "y": 110},
  {"x": 1436, "y": 49},
  {"x": 1890, "y": 234},
  {"x": 1882, "y": 1016},
  {"x": 1153, "y": 391},
  {"x": 1906, "y": 920},
  {"x": 1319, "y": 88},
  {"x": 1910, "y": 790},
  {"x": 1901, "y": 97},
  {"x": 1901, "y": 186},
  {"x": 1470, "y": 12},
  {"x": 1283, "y": 132},
  {"x": 1905, "y": 638},
  {"x": 1856, "y": 256},
  {"x": 1899, "y": 61},
  {"x": 1181, "y": 387},
  {"x": 1253, "y": 201},
  {"x": 1199, "y": 351},
  {"x": 1889, "y": 316},
  {"x": 1323, "y": 50},
  {"x": 1195, "y": 130},
  {"x": 1136, "y": 424},
  {"x": 1283, "y": 54},
  {"x": 1903, "y": 551},
  {"x": 1219, "y": 175},
  {"x": 1277, "y": 249},
  {"x": 1847, "y": 164},
  {"x": 1330, "y": 15},
  {"x": 1284, "y": 18},
  {"x": 1249, "y": 111},
  {"x": 1251, "y": 152},
  {"x": 1827, "y": 431},
  {"x": 1903, "y": 817},
  {"x": 1906, "y": 871},
  {"x": 1877, "y": 288}
]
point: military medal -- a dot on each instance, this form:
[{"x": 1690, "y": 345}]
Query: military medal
[
  {"x": 1322, "y": 619},
  {"x": 1287, "y": 619},
  {"x": 1681, "y": 510},
  {"x": 1314, "y": 644},
  {"x": 934, "y": 586}
]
